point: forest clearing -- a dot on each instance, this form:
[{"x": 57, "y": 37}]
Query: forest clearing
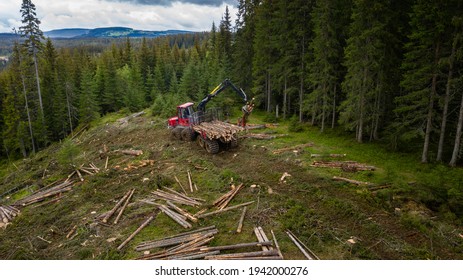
[{"x": 277, "y": 180}]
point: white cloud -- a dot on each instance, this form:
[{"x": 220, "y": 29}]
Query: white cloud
[{"x": 103, "y": 13}]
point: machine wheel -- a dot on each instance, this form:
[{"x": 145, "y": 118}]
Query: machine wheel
[
  {"x": 212, "y": 146},
  {"x": 234, "y": 143},
  {"x": 201, "y": 142},
  {"x": 188, "y": 135},
  {"x": 176, "y": 133}
]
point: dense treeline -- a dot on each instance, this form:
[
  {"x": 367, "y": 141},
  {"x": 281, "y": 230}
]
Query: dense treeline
[{"x": 382, "y": 70}]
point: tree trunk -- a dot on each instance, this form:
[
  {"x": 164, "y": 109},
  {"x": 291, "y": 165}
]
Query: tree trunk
[
  {"x": 362, "y": 107},
  {"x": 432, "y": 94},
  {"x": 69, "y": 109},
  {"x": 285, "y": 96},
  {"x": 27, "y": 107},
  {"x": 333, "y": 120},
  {"x": 269, "y": 90},
  {"x": 456, "y": 147},
  {"x": 324, "y": 105},
  {"x": 446, "y": 100},
  {"x": 39, "y": 92},
  {"x": 301, "y": 89}
]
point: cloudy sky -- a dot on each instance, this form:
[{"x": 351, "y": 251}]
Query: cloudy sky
[{"x": 193, "y": 15}]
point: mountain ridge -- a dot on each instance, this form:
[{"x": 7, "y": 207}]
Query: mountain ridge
[{"x": 103, "y": 32}]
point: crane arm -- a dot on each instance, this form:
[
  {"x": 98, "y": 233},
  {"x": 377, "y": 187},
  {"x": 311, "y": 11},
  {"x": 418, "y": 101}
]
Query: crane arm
[{"x": 226, "y": 83}]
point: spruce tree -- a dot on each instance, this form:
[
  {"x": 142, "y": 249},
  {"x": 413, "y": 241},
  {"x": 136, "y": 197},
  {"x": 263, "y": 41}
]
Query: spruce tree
[{"x": 31, "y": 31}]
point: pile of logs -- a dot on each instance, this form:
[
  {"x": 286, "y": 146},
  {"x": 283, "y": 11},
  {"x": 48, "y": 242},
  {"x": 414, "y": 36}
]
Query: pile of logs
[
  {"x": 173, "y": 196},
  {"x": 295, "y": 148},
  {"x": 304, "y": 249},
  {"x": 91, "y": 170},
  {"x": 218, "y": 130},
  {"x": 184, "y": 246},
  {"x": 267, "y": 252},
  {"x": 7, "y": 214},
  {"x": 351, "y": 166},
  {"x": 177, "y": 214},
  {"x": 121, "y": 205},
  {"x": 41, "y": 194},
  {"x": 223, "y": 201}
]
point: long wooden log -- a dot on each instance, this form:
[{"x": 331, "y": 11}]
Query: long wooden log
[
  {"x": 230, "y": 197},
  {"x": 260, "y": 238},
  {"x": 238, "y": 246},
  {"x": 248, "y": 254},
  {"x": 150, "y": 218},
  {"x": 299, "y": 246},
  {"x": 132, "y": 152},
  {"x": 180, "y": 184},
  {"x": 183, "y": 212},
  {"x": 277, "y": 245},
  {"x": 355, "y": 182},
  {"x": 175, "y": 217},
  {"x": 124, "y": 206},
  {"x": 312, "y": 254},
  {"x": 240, "y": 224},
  {"x": 118, "y": 204},
  {"x": 298, "y": 147},
  {"x": 195, "y": 256},
  {"x": 225, "y": 209},
  {"x": 185, "y": 196},
  {"x": 189, "y": 181},
  {"x": 173, "y": 240}
]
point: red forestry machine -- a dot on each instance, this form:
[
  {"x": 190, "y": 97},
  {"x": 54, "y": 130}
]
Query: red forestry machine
[{"x": 211, "y": 133}]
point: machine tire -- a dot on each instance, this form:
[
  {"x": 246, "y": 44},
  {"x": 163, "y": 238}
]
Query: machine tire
[
  {"x": 176, "y": 133},
  {"x": 188, "y": 135},
  {"x": 212, "y": 146},
  {"x": 201, "y": 142}
]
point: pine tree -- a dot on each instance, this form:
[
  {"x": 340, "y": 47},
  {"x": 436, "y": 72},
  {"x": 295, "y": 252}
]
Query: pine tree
[
  {"x": 88, "y": 105},
  {"x": 366, "y": 60},
  {"x": 31, "y": 31},
  {"x": 328, "y": 19},
  {"x": 428, "y": 23}
]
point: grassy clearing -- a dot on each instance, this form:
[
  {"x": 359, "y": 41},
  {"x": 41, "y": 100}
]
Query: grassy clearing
[{"x": 415, "y": 218}]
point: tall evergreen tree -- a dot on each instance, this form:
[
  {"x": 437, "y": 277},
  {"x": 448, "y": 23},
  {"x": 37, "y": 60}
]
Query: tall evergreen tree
[
  {"x": 429, "y": 22},
  {"x": 31, "y": 31},
  {"x": 367, "y": 61}
]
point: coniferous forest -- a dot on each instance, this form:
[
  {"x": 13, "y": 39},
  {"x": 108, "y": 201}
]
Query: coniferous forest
[{"x": 388, "y": 71}]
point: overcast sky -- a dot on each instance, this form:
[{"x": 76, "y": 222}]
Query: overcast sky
[{"x": 193, "y": 15}]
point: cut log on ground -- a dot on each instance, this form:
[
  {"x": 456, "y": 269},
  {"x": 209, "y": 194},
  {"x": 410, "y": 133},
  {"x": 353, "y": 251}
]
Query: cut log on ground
[
  {"x": 118, "y": 204},
  {"x": 225, "y": 209},
  {"x": 294, "y": 148},
  {"x": 123, "y": 207},
  {"x": 327, "y": 155},
  {"x": 8, "y": 213},
  {"x": 145, "y": 223},
  {"x": 240, "y": 224},
  {"x": 225, "y": 199},
  {"x": 355, "y": 182},
  {"x": 262, "y": 136},
  {"x": 132, "y": 152},
  {"x": 175, "y": 216},
  {"x": 124, "y": 121},
  {"x": 302, "y": 247},
  {"x": 43, "y": 194},
  {"x": 175, "y": 197},
  {"x": 177, "y": 239},
  {"x": 351, "y": 166}
]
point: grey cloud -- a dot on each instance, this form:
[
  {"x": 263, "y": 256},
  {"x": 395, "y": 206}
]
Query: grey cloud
[{"x": 215, "y": 3}]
